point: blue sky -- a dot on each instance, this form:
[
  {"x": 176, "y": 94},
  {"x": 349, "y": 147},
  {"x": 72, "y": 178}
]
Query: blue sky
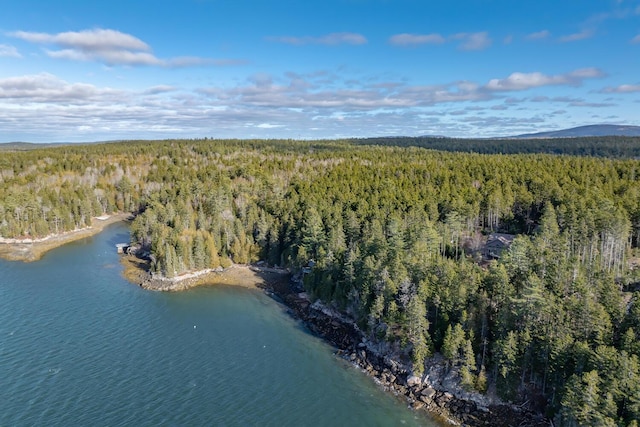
[{"x": 88, "y": 71}]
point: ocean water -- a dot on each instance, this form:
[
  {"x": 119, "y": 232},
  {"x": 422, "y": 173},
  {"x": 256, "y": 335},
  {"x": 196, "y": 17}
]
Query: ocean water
[{"x": 80, "y": 346}]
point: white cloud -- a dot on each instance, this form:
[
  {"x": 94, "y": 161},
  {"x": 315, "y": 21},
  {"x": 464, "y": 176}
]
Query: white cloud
[
  {"x": 592, "y": 104},
  {"x": 406, "y": 39},
  {"x": 9, "y": 51},
  {"x": 329, "y": 39},
  {"x": 308, "y": 94},
  {"x": 343, "y": 38},
  {"x": 268, "y": 126},
  {"x": 110, "y": 57},
  {"x": 473, "y": 41},
  {"x": 520, "y": 81},
  {"x": 636, "y": 39},
  {"x": 110, "y": 47},
  {"x": 467, "y": 41},
  {"x": 540, "y": 35},
  {"x": 86, "y": 40},
  {"x": 314, "y": 95},
  {"x": 565, "y": 99},
  {"x": 524, "y": 81},
  {"x": 586, "y": 73},
  {"x": 582, "y": 35},
  {"x": 622, "y": 89},
  {"x": 45, "y": 87}
]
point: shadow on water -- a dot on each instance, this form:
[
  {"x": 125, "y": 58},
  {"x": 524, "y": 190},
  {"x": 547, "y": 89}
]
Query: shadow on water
[{"x": 122, "y": 236}]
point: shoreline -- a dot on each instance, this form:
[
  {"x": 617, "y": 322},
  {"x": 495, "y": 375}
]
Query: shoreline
[
  {"x": 29, "y": 250},
  {"x": 434, "y": 393},
  {"x": 445, "y": 404},
  {"x": 136, "y": 271}
]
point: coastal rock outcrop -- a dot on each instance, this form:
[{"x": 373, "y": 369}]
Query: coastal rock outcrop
[{"x": 436, "y": 391}]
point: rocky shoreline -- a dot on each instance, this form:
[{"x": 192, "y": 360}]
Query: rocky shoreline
[
  {"x": 434, "y": 392},
  {"x": 178, "y": 283},
  {"x": 249, "y": 276}
]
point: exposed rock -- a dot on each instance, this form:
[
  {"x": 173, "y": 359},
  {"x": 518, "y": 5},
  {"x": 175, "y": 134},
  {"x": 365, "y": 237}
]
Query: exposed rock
[
  {"x": 426, "y": 399},
  {"x": 418, "y": 405},
  {"x": 438, "y": 391},
  {"x": 428, "y": 393},
  {"x": 413, "y": 381}
]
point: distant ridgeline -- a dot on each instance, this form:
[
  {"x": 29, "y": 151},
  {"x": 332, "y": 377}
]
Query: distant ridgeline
[
  {"x": 598, "y": 146},
  {"x": 396, "y": 238}
]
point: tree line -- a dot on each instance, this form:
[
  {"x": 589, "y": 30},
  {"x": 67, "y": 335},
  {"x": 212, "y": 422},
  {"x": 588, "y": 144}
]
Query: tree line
[{"x": 596, "y": 146}]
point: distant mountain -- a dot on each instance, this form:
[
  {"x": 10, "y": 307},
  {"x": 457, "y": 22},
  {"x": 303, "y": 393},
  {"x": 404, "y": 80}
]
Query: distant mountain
[
  {"x": 25, "y": 146},
  {"x": 589, "y": 130},
  {"x": 17, "y": 146}
]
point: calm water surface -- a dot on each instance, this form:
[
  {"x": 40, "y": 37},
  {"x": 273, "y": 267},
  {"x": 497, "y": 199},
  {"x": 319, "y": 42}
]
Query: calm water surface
[{"x": 81, "y": 346}]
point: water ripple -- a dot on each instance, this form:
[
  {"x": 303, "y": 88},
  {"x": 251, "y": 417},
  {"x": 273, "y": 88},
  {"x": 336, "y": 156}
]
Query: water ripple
[{"x": 80, "y": 346}]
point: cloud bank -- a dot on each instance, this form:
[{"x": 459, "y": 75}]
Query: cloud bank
[{"x": 326, "y": 103}]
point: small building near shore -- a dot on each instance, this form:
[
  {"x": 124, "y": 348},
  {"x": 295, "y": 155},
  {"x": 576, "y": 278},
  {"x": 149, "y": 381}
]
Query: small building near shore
[{"x": 122, "y": 248}]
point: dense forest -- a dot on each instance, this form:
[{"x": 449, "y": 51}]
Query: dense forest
[
  {"x": 393, "y": 236},
  {"x": 600, "y": 146}
]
